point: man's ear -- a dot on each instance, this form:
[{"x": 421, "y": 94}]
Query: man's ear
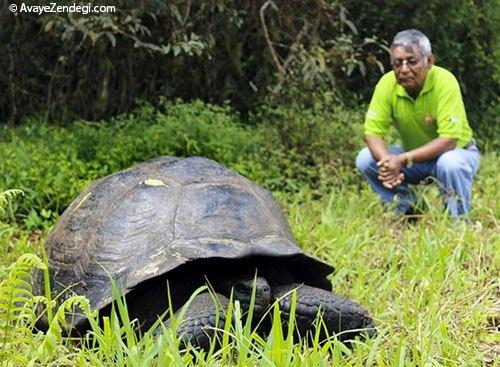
[{"x": 430, "y": 60}]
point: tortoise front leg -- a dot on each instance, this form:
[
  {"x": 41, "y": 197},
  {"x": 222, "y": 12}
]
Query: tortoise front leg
[
  {"x": 200, "y": 320},
  {"x": 339, "y": 314}
]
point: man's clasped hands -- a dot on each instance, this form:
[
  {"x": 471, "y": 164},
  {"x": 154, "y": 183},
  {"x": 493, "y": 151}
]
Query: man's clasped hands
[{"x": 389, "y": 170}]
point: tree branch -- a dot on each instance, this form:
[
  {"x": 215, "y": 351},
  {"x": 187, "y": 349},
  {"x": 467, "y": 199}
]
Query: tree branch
[{"x": 274, "y": 55}]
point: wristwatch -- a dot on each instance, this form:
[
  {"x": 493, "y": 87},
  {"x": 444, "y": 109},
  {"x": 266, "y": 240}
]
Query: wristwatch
[{"x": 409, "y": 159}]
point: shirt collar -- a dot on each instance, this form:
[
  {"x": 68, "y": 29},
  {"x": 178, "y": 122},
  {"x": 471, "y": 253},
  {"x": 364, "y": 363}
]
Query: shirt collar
[{"x": 429, "y": 81}]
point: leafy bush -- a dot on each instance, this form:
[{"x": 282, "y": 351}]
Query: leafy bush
[
  {"x": 96, "y": 65},
  {"x": 316, "y": 142},
  {"x": 52, "y": 164},
  {"x": 17, "y": 315},
  {"x": 295, "y": 146}
]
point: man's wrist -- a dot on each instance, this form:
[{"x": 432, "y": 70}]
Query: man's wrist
[{"x": 407, "y": 159}]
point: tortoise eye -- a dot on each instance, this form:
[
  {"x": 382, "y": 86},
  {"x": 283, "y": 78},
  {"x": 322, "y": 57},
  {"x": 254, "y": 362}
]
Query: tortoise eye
[{"x": 242, "y": 288}]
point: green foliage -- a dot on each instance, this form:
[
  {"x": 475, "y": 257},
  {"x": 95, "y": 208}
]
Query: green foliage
[
  {"x": 296, "y": 146},
  {"x": 315, "y": 142},
  {"x": 300, "y": 144},
  {"x": 431, "y": 286},
  {"x": 6, "y": 231},
  {"x": 58, "y": 324},
  {"x": 114, "y": 339},
  {"x": 51, "y": 175},
  {"x": 17, "y": 315},
  {"x": 96, "y": 65},
  {"x": 5, "y": 196},
  {"x": 13, "y": 241}
]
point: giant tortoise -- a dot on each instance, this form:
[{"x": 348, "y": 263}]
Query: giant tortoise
[{"x": 187, "y": 222}]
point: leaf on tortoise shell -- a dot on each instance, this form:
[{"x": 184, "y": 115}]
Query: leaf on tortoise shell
[
  {"x": 82, "y": 201},
  {"x": 154, "y": 182}
]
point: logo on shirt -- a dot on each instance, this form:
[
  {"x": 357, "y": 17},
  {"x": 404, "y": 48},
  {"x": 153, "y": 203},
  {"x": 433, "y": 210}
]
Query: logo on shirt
[
  {"x": 453, "y": 119},
  {"x": 430, "y": 119}
]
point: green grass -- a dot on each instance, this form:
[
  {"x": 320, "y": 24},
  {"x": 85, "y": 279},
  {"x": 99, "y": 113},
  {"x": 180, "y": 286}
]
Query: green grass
[{"x": 432, "y": 288}]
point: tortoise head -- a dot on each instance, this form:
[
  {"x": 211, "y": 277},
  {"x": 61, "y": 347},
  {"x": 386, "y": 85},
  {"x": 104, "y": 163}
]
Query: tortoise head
[{"x": 243, "y": 288}]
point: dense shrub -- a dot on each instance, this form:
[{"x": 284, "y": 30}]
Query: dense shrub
[
  {"x": 52, "y": 164},
  {"x": 292, "y": 148},
  {"x": 94, "y": 66}
]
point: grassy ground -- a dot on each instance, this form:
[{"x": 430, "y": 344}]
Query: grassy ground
[{"x": 432, "y": 287}]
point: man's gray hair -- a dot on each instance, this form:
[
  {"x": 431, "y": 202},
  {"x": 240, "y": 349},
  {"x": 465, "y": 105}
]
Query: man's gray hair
[{"x": 410, "y": 37}]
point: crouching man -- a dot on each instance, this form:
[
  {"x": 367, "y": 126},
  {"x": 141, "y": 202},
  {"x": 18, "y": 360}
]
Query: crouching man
[{"x": 424, "y": 103}]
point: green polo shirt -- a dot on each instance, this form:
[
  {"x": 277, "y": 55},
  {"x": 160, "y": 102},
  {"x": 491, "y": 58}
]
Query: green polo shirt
[{"x": 438, "y": 111}]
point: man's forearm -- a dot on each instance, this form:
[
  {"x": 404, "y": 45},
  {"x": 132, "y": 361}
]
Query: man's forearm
[
  {"x": 424, "y": 153},
  {"x": 377, "y": 147},
  {"x": 430, "y": 150}
]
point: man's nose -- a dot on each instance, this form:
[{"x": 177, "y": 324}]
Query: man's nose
[{"x": 404, "y": 66}]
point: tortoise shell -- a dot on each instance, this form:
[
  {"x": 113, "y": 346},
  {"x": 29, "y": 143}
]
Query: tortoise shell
[{"x": 145, "y": 221}]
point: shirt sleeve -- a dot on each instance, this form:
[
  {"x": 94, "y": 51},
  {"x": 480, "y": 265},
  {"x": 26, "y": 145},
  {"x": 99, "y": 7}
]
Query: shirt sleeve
[
  {"x": 378, "y": 117},
  {"x": 451, "y": 111}
]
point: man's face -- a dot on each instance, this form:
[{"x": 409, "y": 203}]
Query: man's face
[{"x": 411, "y": 68}]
